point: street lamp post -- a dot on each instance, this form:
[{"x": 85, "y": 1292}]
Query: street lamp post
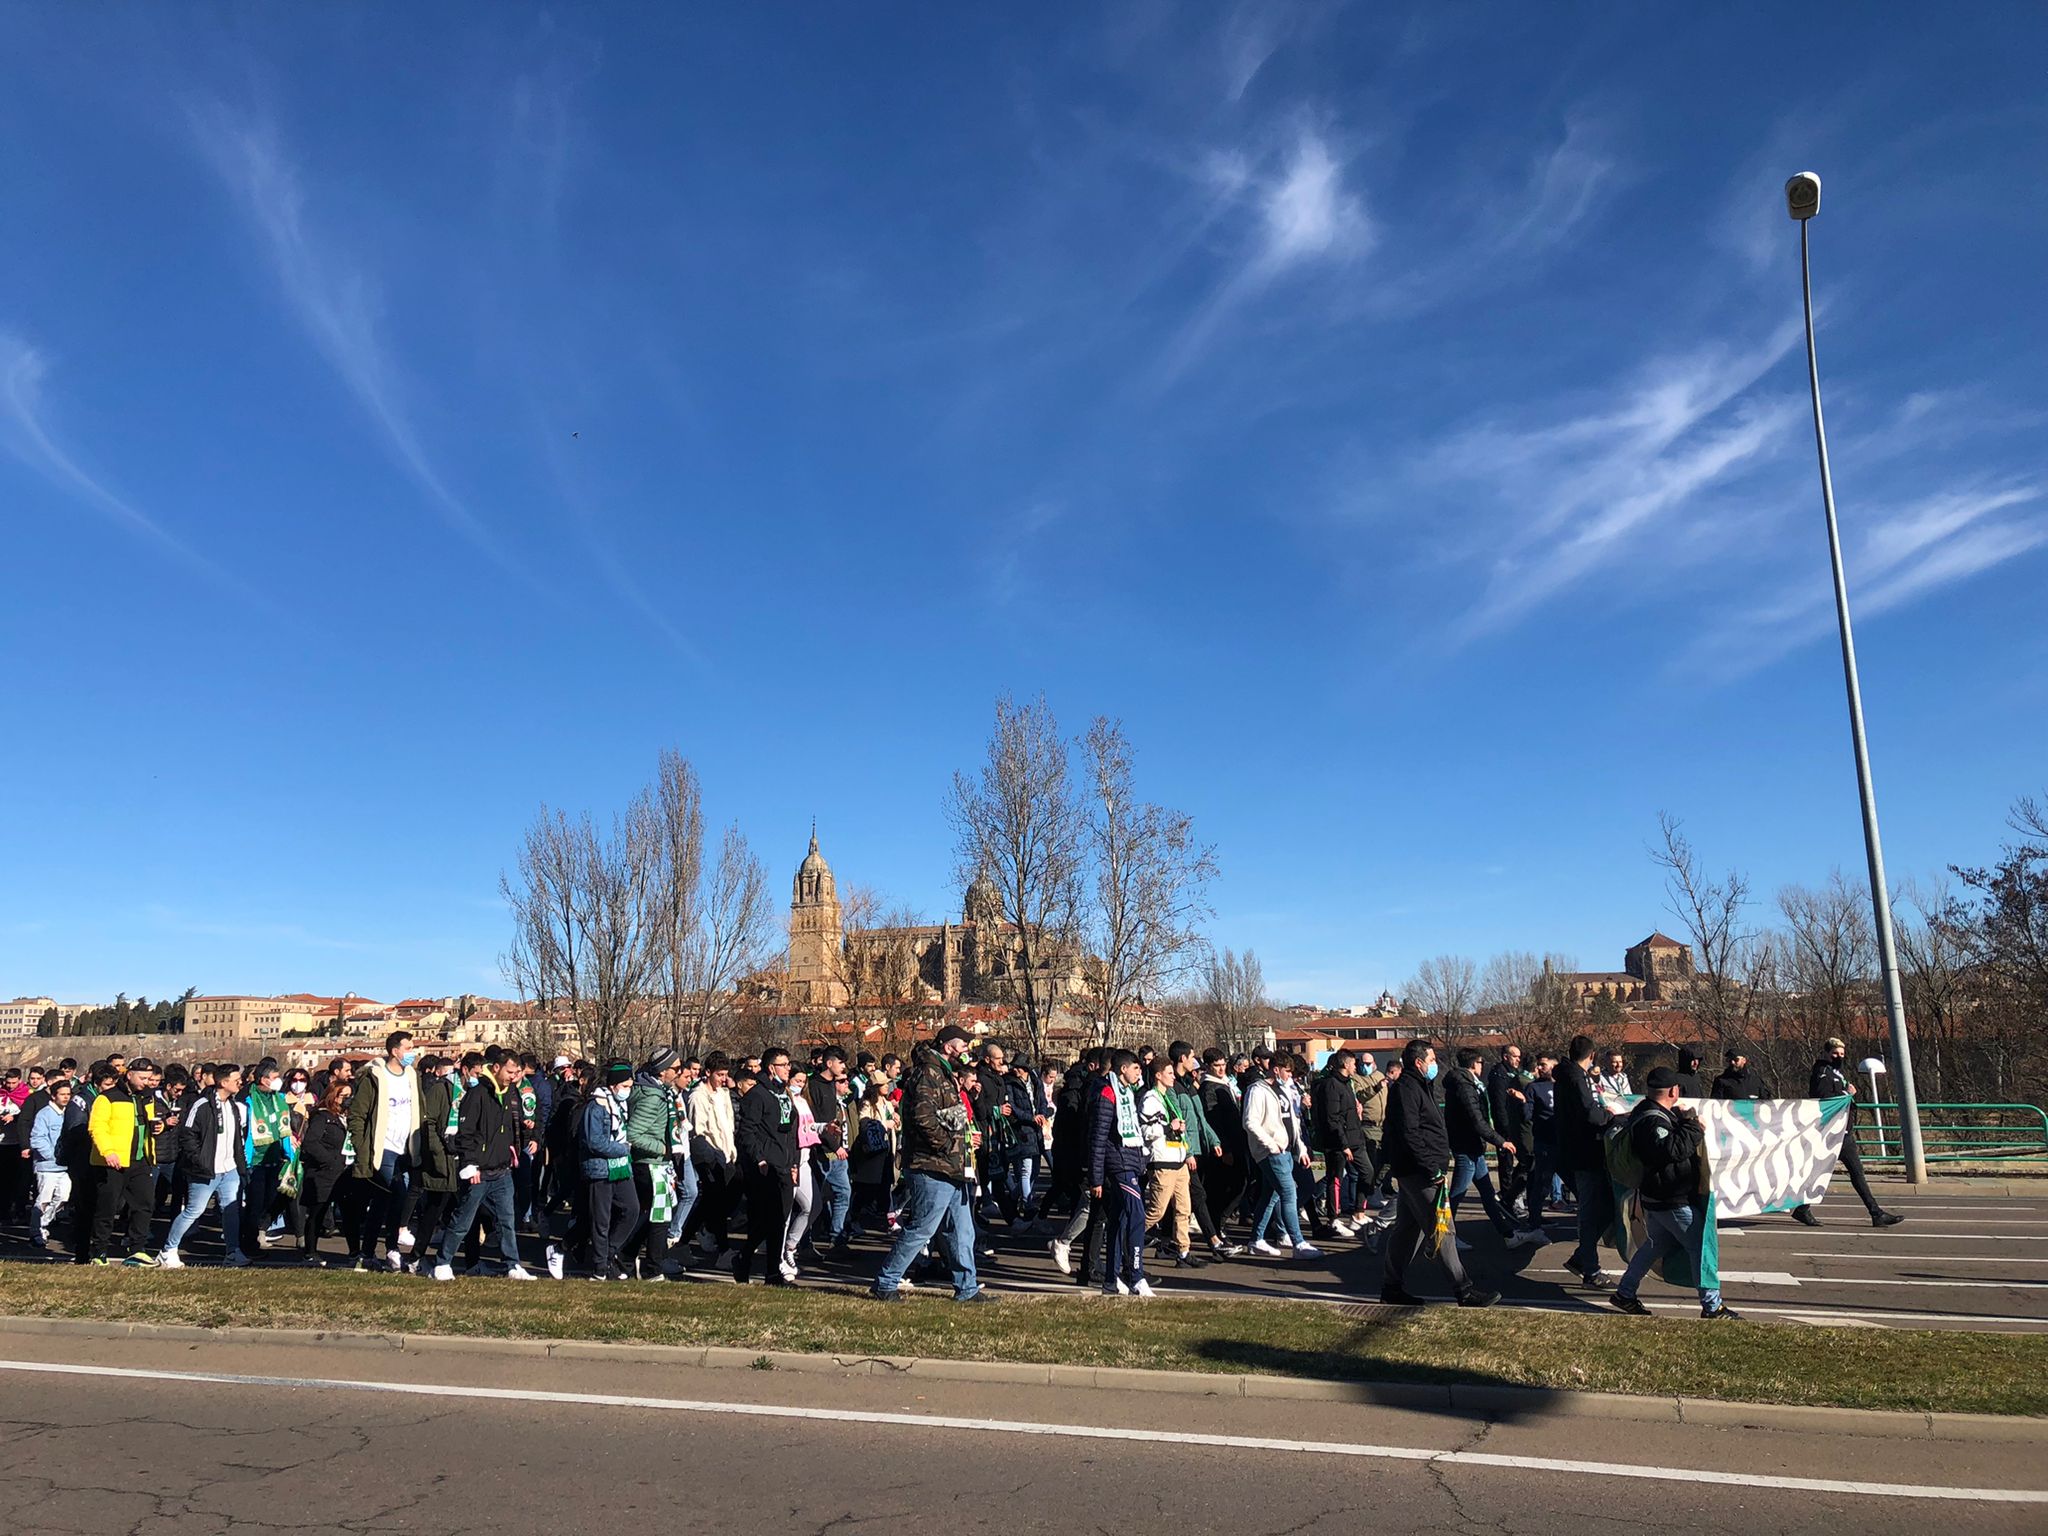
[{"x": 1802, "y": 201}]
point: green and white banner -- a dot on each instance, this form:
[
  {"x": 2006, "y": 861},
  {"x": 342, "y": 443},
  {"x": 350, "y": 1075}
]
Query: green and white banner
[{"x": 1762, "y": 1155}]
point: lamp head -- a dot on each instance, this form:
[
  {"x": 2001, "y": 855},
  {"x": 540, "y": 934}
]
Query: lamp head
[{"x": 1802, "y": 195}]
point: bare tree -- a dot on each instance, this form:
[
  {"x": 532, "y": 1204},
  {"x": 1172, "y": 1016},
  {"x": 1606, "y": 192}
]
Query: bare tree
[
  {"x": 678, "y": 826},
  {"x": 1509, "y": 980},
  {"x": 1935, "y": 949},
  {"x": 1710, "y": 910},
  {"x": 1444, "y": 988},
  {"x": 1834, "y": 954},
  {"x": 1019, "y": 840},
  {"x": 1151, "y": 881},
  {"x": 545, "y": 963},
  {"x": 734, "y": 935},
  {"x": 1234, "y": 999}
]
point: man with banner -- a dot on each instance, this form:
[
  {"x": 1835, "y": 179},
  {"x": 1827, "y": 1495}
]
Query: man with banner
[{"x": 1660, "y": 1149}]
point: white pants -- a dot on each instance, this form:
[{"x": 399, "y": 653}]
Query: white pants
[
  {"x": 799, "y": 1210},
  {"x": 52, "y": 1190}
]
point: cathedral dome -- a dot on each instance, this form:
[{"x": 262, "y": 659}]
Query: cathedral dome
[{"x": 814, "y": 876}]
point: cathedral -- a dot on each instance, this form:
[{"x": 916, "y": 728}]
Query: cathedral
[{"x": 972, "y": 961}]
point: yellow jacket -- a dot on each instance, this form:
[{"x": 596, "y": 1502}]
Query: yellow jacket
[{"x": 112, "y": 1127}]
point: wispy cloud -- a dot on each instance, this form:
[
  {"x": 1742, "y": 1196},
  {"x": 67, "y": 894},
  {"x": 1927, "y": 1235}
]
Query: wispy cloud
[
  {"x": 1297, "y": 209},
  {"x": 333, "y": 297},
  {"x": 1899, "y": 555},
  {"x": 26, "y": 432},
  {"x": 1556, "y": 502}
]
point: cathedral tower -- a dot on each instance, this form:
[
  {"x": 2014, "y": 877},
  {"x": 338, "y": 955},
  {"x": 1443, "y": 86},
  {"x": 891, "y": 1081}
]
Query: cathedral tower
[{"x": 816, "y": 936}]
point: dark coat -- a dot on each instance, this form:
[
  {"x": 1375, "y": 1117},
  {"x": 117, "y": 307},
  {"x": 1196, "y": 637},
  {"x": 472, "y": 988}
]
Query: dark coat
[
  {"x": 934, "y": 1124},
  {"x": 485, "y": 1128},
  {"x": 1107, "y": 1154},
  {"x": 1510, "y": 1114},
  {"x": 1225, "y": 1115},
  {"x": 764, "y": 1127},
  {"x": 206, "y": 1121},
  {"x": 1467, "y": 1119},
  {"x": 1668, "y": 1146},
  {"x": 435, "y": 1171},
  {"x": 1581, "y": 1121},
  {"x": 322, "y": 1165},
  {"x": 1416, "y": 1144},
  {"x": 1826, "y": 1081},
  {"x": 1746, "y": 1084},
  {"x": 1338, "y": 1125}
]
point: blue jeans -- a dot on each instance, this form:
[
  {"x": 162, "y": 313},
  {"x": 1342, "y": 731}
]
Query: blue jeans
[
  {"x": 931, "y": 1204},
  {"x": 1468, "y": 1171},
  {"x": 686, "y": 1199},
  {"x": 1680, "y": 1229},
  {"x": 1596, "y": 1215},
  {"x": 496, "y": 1193},
  {"x": 1276, "y": 1177},
  {"x": 225, "y": 1187},
  {"x": 838, "y": 1194}
]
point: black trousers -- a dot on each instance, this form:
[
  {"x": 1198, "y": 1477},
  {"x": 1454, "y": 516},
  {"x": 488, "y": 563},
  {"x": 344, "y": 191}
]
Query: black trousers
[
  {"x": 1853, "y": 1161},
  {"x": 119, "y": 1192},
  {"x": 1416, "y": 1218},
  {"x": 770, "y": 1199},
  {"x": 1223, "y": 1183},
  {"x": 614, "y": 1208},
  {"x": 717, "y": 1189}
]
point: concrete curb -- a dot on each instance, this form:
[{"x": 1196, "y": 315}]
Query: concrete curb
[{"x": 1467, "y": 1400}]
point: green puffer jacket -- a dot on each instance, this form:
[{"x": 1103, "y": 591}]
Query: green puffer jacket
[
  {"x": 1199, "y": 1135},
  {"x": 647, "y": 1119}
]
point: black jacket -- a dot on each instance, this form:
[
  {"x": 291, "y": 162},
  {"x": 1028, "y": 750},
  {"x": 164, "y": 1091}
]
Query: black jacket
[
  {"x": 1543, "y": 1113},
  {"x": 485, "y": 1128},
  {"x": 934, "y": 1128},
  {"x": 1746, "y": 1084},
  {"x": 1226, "y": 1116},
  {"x": 1466, "y": 1116},
  {"x": 764, "y": 1127},
  {"x": 1581, "y": 1120},
  {"x": 320, "y": 1156},
  {"x": 1416, "y": 1146},
  {"x": 1826, "y": 1081},
  {"x": 1070, "y": 1126},
  {"x": 206, "y": 1121},
  {"x": 1338, "y": 1126},
  {"x": 1690, "y": 1085},
  {"x": 1668, "y": 1146},
  {"x": 436, "y": 1171},
  {"x": 1510, "y": 1114}
]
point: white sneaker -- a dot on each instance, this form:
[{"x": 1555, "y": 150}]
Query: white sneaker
[
  {"x": 1122, "y": 1289},
  {"x": 554, "y": 1262},
  {"x": 1262, "y": 1246},
  {"x": 405, "y": 1239},
  {"x": 393, "y": 1262},
  {"x": 1529, "y": 1237},
  {"x": 1062, "y": 1256},
  {"x": 1343, "y": 1228},
  {"x": 443, "y": 1272},
  {"x": 1144, "y": 1288},
  {"x": 905, "y": 1285},
  {"x": 788, "y": 1271},
  {"x": 169, "y": 1259},
  {"x": 1286, "y": 1241},
  {"x": 1308, "y": 1251},
  {"x": 519, "y": 1272}
]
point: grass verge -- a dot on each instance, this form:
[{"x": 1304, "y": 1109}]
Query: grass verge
[{"x": 1921, "y": 1371}]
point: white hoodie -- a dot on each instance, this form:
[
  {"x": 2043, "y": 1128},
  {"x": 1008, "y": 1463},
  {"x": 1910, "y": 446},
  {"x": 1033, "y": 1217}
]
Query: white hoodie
[{"x": 1268, "y": 1125}]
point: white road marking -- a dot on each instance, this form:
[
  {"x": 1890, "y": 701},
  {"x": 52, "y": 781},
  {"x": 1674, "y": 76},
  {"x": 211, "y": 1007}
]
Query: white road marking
[
  {"x": 1758, "y": 1277},
  {"x": 1740, "y": 1478},
  {"x": 1916, "y": 1258}
]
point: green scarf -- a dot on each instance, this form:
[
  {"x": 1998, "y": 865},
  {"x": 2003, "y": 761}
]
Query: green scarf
[
  {"x": 1126, "y": 1114},
  {"x": 268, "y": 1117}
]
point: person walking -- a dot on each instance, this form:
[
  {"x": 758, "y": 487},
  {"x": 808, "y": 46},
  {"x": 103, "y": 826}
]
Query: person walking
[
  {"x": 1509, "y": 1107},
  {"x": 715, "y": 1151},
  {"x": 1419, "y": 1150},
  {"x": 485, "y": 1145},
  {"x": 1582, "y": 1158},
  {"x": 327, "y": 1163},
  {"x": 46, "y": 1153},
  {"x": 1168, "y": 1202},
  {"x": 1828, "y": 1080},
  {"x": 1340, "y": 1130},
  {"x": 1738, "y": 1079},
  {"x": 1667, "y": 1139},
  {"x": 650, "y": 1111},
  {"x": 831, "y": 1099},
  {"x": 934, "y": 1127},
  {"x": 213, "y": 1151},
  {"x": 1273, "y": 1135},
  {"x": 271, "y": 1150},
  {"x": 609, "y": 1195},
  {"x": 383, "y": 1126},
  {"x": 1226, "y": 1166},
  {"x": 1690, "y": 1084},
  {"x": 1468, "y": 1124},
  {"x": 1116, "y": 1173},
  {"x": 765, "y": 1127},
  {"x": 122, "y": 1133},
  {"x": 437, "y": 1192}
]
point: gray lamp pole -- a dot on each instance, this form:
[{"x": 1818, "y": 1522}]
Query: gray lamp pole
[{"x": 1802, "y": 201}]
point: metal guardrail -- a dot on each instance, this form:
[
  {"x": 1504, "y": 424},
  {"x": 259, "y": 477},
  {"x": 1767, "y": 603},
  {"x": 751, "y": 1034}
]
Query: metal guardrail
[{"x": 1959, "y": 1133}]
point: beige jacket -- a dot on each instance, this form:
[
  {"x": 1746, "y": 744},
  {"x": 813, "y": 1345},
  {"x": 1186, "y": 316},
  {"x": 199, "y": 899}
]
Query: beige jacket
[{"x": 711, "y": 1118}]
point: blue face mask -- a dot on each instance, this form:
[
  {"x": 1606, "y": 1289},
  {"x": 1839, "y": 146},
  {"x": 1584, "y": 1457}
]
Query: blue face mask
[
  {"x": 1429, "y": 1073},
  {"x": 405, "y": 1058}
]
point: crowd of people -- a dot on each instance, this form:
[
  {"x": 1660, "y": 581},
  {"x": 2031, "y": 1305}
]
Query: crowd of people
[{"x": 654, "y": 1171}]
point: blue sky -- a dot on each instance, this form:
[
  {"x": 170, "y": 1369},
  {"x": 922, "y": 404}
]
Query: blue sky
[{"x": 410, "y": 415}]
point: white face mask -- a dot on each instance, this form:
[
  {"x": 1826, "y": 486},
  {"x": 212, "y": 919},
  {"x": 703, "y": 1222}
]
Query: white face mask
[{"x": 623, "y": 1091}]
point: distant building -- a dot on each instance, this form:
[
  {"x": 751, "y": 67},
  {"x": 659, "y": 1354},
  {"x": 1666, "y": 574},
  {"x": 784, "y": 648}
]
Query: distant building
[
  {"x": 20, "y": 1017},
  {"x": 244, "y": 1016},
  {"x": 1658, "y": 970}
]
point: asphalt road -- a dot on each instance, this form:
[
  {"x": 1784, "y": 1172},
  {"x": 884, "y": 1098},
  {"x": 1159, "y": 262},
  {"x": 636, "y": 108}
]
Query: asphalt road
[
  {"x": 231, "y": 1437},
  {"x": 1961, "y": 1260}
]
